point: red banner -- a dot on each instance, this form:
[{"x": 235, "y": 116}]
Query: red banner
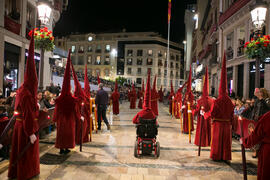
[
  {"x": 169, "y": 11},
  {"x": 248, "y": 126}
]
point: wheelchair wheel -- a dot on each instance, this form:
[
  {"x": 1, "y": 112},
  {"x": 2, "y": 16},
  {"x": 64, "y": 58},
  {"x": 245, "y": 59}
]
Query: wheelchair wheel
[
  {"x": 158, "y": 149},
  {"x": 136, "y": 148}
]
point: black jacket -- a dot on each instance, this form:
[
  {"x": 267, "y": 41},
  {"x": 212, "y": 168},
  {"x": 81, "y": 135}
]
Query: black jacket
[{"x": 102, "y": 97}]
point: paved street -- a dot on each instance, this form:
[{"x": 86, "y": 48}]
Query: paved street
[{"x": 110, "y": 155}]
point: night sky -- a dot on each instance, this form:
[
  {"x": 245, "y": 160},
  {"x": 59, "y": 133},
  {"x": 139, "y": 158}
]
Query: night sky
[{"x": 113, "y": 15}]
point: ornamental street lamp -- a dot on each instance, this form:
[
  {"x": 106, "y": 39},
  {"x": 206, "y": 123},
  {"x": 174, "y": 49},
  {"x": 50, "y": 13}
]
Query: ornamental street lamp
[
  {"x": 44, "y": 14},
  {"x": 258, "y": 15}
]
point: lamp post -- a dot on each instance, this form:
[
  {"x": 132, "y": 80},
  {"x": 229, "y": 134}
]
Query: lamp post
[
  {"x": 258, "y": 15},
  {"x": 44, "y": 14}
]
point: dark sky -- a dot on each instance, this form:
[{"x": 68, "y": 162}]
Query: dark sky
[{"x": 114, "y": 15}]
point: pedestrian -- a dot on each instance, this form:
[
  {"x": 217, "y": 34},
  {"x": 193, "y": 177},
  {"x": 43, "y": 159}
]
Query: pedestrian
[
  {"x": 133, "y": 97},
  {"x": 222, "y": 114},
  {"x": 65, "y": 115},
  {"x": 115, "y": 99},
  {"x": 261, "y": 135},
  {"x": 101, "y": 103},
  {"x": 26, "y": 125}
]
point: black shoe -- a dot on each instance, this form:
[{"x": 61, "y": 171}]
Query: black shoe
[
  {"x": 62, "y": 151},
  {"x": 98, "y": 128},
  {"x": 108, "y": 126},
  {"x": 67, "y": 151}
]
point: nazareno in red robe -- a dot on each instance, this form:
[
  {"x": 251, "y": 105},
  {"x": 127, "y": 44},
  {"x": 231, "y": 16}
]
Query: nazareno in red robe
[
  {"x": 140, "y": 103},
  {"x": 185, "y": 115},
  {"x": 26, "y": 124},
  {"x": 261, "y": 135},
  {"x": 154, "y": 101},
  {"x": 133, "y": 98},
  {"x": 170, "y": 102},
  {"x": 160, "y": 93},
  {"x": 206, "y": 103},
  {"x": 178, "y": 104},
  {"x": 115, "y": 102}
]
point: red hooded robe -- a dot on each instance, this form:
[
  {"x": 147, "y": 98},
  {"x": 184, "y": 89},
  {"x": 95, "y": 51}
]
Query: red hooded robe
[
  {"x": 26, "y": 124},
  {"x": 188, "y": 99},
  {"x": 81, "y": 111},
  {"x": 161, "y": 94},
  {"x": 115, "y": 99},
  {"x": 204, "y": 103},
  {"x": 64, "y": 114},
  {"x": 154, "y": 98},
  {"x": 133, "y": 98},
  {"x": 87, "y": 94},
  {"x": 147, "y": 112},
  {"x": 222, "y": 114}
]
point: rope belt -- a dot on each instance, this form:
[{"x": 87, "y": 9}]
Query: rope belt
[
  {"x": 218, "y": 119},
  {"x": 19, "y": 119}
]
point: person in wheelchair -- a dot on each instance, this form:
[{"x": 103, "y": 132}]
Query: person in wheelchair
[{"x": 146, "y": 124}]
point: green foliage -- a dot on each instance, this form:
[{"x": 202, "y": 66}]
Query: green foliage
[
  {"x": 259, "y": 48},
  {"x": 121, "y": 80},
  {"x": 43, "y": 39}
]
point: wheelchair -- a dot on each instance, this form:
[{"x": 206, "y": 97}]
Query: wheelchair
[{"x": 146, "y": 141}]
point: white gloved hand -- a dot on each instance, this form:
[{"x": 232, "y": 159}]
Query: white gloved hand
[
  {"x": 33, "y": 138},
  {"x": 183, "y": 107},
  {"x": 82, "y": 118},
  {"x": 1, "y": 146},
  {"x": 202, "y": 112},
  {"x": 241, "y": 141}
]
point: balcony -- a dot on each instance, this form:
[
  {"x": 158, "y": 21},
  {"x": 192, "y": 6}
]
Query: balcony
[
  {"x": 229, "y": 53},
  {"x": 240, "y": 49},
  {"x": 236, "y": 6},
  {"x": 12, "y": 25}
]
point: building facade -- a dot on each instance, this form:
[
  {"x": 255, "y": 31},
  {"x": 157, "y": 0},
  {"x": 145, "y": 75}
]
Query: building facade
[
  {"x": 126, "y": 54},
  {"x": 226, "y": 26},
  {"x": 17, "y": 18}
]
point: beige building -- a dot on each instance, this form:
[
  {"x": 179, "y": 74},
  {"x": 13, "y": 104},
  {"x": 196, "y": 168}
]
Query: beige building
[
  {"x": 125, "y": 54},
  {"x": 17, "y": 18},
  {"x": 226, "y": 25}
]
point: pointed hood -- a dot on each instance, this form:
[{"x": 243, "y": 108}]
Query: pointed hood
[
  {"x": 98, "y": 80},
  {"x": 154, "y": 83},
  {"x": 30, "y": 84},
  {"x": 206, "y": 84},
  {"x": 87, "y": 91},
  {"x": 143, "y": 85},
  {"x": 147, "y": 94},
  {"x": 66, "y": 81},
  {"x": 115, "y": 86},
  {"x": 78, "y": 88},
  {"x": 172, "y": 91},
  {"x": 189, "y": 80},
  {"x": 223, "y": 80}
]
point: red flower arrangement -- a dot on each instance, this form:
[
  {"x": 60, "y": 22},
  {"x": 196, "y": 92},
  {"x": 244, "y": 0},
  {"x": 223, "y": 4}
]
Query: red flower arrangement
[
  {"x": 259, "y": 48},
  {"x": 43, "y": 38}
]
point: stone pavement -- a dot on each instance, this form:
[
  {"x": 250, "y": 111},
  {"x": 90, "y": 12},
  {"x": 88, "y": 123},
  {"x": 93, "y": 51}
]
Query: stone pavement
[{"x": 110, "y": 156}]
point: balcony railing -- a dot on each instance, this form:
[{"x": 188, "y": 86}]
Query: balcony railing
[
  {"x": 12, "y": 26},
  {"x": 236, "y": 6}
]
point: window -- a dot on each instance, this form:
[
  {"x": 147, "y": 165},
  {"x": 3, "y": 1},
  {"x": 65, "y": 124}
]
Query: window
[
  {"x": 139, "y": 71},
  {"x": 129, "y": 61},
  {"x": 177, "y": 58},
  {"x": 138, "y": 80},
  {"x": 98, "y": 60},
  {"x": 98, "y": 49},
  {"x": 172, "y": 66},
  {"x": 108, "y": 48},
  {"x": 149, "y": 61},
  {"x": 160, "y": 62},
  {"x": 107, "y": 60},
  {"x": 80, "y": 60},
  {"x": 177, "y": 75},
  {"x": 89, "y": 48},
  {"x": 139, "y": 52},
  {"x": 165, "y": 64},
  {"x": 150, "y": 52},
  {"x": 165, "y": 73},
  {"x": 159, "y": 54},
  {"x": 73, "y": 49},
  {"x": 159, "y": 72},
  {"x": 81, "y": 49},
  {"x": 139, "y": 61},
  {"x": 171, "y": 74},
  {"x": 129, "y": 52},
  {"x": 165, "y": 81},
  {"x": 229, "y": 46},
  {"x": 172, "y": 57},
  {"x": 241, "y": 40},
  {"x": 89, "y": 60},
  {"x": 177, "y": 65},
  {"x": 129, "y": 71}
]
